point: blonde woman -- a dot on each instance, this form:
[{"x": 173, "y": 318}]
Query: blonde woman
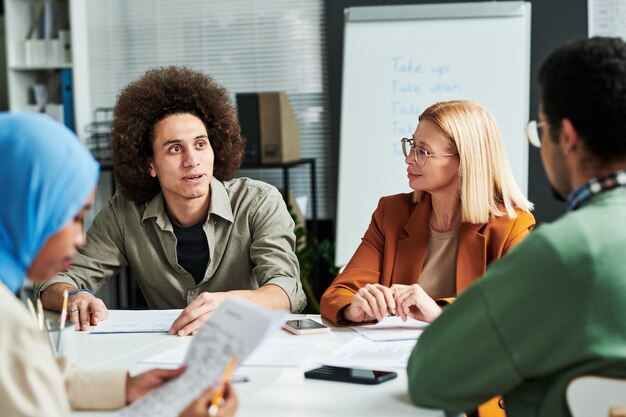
[{"x": 423, "y": 248}]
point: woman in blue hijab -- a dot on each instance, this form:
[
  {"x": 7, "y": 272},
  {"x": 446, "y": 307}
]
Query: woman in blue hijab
[
  {"x": 48, "y": 180},
  {"x": 47, "y": 177}
]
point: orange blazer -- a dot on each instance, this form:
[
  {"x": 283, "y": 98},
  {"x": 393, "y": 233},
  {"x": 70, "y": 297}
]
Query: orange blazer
[{"x": 395, "y": 243}]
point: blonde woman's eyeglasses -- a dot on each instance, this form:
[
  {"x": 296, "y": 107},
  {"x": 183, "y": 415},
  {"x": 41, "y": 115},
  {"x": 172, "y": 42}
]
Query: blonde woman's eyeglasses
[{"x": 421, "y": 155}]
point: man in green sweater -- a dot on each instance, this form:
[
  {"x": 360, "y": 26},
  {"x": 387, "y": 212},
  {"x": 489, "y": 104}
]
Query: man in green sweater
[{"x": 555, "y": 307}]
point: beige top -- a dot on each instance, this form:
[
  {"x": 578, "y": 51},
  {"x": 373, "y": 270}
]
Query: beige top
[
  {"x": 33, "y": 383},
  {"x": 438, "y": 277}
]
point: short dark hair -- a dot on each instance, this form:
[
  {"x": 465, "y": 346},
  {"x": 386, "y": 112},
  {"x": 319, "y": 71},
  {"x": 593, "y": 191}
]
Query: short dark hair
[
  {"x": 159, "y": 93},
  {"x": 585, "y": 81}
]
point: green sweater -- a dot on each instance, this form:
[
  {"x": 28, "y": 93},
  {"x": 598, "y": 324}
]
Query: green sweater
[{"x": 554, "y": 308}]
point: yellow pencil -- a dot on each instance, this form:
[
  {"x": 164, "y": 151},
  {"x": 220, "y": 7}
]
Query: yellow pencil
[
  {"x": 40, "y": 314},
  {"x": 225, "y": 377},
  {"x": 31, "y": 307},
  {"x": 63, "y": 311}
]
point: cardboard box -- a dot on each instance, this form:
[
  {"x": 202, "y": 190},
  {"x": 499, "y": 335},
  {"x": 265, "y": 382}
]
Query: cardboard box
[{"x": 270, "y": 127}]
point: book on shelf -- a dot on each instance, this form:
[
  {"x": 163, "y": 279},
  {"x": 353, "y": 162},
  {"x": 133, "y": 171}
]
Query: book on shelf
[{"x": 67, "y": 98}]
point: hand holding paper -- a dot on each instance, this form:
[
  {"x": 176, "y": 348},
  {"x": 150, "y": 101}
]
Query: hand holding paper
[
  {"x": 142, "y": 384},
  {"x": 236, "y": 328}
]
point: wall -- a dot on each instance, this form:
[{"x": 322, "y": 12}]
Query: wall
[{"x": 571, "y": 16}]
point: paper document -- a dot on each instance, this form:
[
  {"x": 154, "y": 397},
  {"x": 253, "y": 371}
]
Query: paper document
[
  {"x": 235, "y": 329},
  {"x": 174, "y": 356},
  {"x": 392, "y": 328},
  {"x": 281, "y": 351},
  {"x": 137, "y": 321},
  {"x": 274, "y": 351},
  {"x": 364, "y": 354}
]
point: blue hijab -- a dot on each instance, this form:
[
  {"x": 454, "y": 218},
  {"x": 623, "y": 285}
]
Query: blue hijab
[{"x": 46, "y": 176}]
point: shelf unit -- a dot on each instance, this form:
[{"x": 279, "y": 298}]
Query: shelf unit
[
  {"x": 39, "y": 61},
  {"x": 285, "y": 167},
  {"x": 3, "y": 68}
]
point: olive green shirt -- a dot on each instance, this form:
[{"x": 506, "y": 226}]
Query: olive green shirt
[{"x": 251, "y": 244}]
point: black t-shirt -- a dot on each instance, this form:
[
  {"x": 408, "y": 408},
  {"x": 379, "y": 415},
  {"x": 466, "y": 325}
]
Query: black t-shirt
[{"x": 192, "y": 249}]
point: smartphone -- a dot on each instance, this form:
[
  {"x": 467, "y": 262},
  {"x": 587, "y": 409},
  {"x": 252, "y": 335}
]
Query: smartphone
[
  {"x": 357, "y": 376},
  {"x": 304, "y": 326}
]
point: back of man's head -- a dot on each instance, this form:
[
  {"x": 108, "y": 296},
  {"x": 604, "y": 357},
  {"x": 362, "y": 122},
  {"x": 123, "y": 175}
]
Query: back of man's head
[{"x": 585, "y": 82}]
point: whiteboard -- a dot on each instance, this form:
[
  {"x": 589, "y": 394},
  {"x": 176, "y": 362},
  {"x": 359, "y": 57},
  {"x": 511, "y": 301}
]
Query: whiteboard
[
  {"x": 398, "y": 60},
  {"x": 606, "y": 18}
]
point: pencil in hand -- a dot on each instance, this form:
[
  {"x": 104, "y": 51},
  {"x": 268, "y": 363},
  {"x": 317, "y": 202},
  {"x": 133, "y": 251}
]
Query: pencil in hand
[
  {"x": 217, "y": 400},
  {"x": 31, "y": 308},
  {"x": 63, "y": 311},
  {"x": 40, "y": 316}
]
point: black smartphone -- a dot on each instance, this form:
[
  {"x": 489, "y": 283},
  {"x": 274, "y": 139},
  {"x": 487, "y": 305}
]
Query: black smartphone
[
  {"x": 305, "y": 326},
  {"x": 357, "y": 376}
]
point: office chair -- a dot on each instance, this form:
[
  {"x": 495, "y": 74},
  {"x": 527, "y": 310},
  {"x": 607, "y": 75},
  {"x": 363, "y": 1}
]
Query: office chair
[{"x": 595, "y": 396}]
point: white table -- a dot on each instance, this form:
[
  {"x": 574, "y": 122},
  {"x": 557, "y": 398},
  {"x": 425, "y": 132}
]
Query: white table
[{"x": 271, "y": 391}]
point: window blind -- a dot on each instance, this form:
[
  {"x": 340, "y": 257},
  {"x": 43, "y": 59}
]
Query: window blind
[{"x": 246, "y": 45}]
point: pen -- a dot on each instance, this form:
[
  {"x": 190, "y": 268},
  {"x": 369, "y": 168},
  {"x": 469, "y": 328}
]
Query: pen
[
  {"x": 63, "y": 311},
  {"x": 48, "y": 331},
  {"x": 236, "y": 379},
  {"x": 31, "y": 307},
  {"x": 40, "y": 314},
  {"x": 225, "y": 377}
]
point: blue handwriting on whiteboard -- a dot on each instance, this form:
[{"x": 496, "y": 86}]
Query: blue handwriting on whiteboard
[
  {"x": 396, "y": 149},
  {"x": 440, "y": 87},
  {"x": 402, "y": 129},
  {"x": 400, "y": 108},
  {"x": 405, "y": 87},
  {"x": 404, "y": 65},
  {"x": 440, "y": 70}
]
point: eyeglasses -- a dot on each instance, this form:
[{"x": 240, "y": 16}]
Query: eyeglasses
[
  {"x": 421, "y": 155},
  {"x": 534, "y": 131}
]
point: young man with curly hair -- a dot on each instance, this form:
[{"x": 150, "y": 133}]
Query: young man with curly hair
[
  {"x": 553, "y": 309},
  {"x": 190, "y": 233}
]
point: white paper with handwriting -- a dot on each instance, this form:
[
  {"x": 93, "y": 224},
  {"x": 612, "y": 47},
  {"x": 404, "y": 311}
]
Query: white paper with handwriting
[{"x": 235, "y": 328}]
